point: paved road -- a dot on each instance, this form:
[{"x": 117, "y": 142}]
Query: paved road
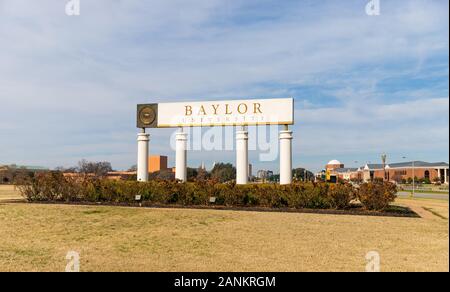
[{"x": 443, "y": 196}]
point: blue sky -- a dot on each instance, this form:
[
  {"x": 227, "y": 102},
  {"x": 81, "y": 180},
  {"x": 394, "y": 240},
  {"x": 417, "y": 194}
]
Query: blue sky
[{"x": 363, "y": 84}]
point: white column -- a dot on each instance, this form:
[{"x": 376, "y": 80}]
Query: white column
[
  {"x": 446, "y": 175},
  {"x": 142, "y": 163},
  {"x": 241, "y": 157},
  {"x": 285, "y": 157},
  {"x": 181, "y": 156},
  {"x": 439, "y": 175}
]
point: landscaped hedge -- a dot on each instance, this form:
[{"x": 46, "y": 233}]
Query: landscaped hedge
[
  {"x": 54, "y": 187},
  {"x": 377, "y": 196}
]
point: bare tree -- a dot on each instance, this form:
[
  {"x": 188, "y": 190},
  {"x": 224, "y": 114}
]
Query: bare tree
[{"x": 96, "y": 168}]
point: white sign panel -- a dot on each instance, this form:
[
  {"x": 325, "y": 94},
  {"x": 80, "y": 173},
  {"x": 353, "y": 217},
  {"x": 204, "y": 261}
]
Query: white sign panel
[{"x": 279, "y": 111}]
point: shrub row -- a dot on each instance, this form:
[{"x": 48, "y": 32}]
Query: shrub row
[{"x": 54, "y": 187}]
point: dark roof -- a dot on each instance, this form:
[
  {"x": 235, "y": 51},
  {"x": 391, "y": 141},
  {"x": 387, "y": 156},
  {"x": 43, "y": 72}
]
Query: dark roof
[
  {"x": 343, "y": 170},
  {"x": 409, "y": 164},
  {"x": 418, "y": 164},
  {"x": 375, "y": 166}
]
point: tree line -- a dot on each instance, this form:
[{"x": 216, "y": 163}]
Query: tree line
[
  {"x": 221, "y": 172},
  {"x": 100, "y": 168}
]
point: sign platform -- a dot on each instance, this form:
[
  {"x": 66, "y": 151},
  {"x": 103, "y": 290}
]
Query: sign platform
[{"x": 278, "y": 111}]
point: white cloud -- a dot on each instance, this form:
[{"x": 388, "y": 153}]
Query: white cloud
[{"x": 82, "y": 76}]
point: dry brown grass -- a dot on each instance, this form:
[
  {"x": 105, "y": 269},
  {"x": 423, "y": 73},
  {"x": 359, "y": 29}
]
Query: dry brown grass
[
  {"x": 9, "y": 193},
  {"x": 427, "y": 208},
  {"x": 37, "y": 238}
]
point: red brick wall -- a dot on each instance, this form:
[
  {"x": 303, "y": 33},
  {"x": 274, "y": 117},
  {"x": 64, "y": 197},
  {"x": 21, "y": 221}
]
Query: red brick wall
[
  {"x": 334, "y": 166},
  {"x": 399, "y": 174}
]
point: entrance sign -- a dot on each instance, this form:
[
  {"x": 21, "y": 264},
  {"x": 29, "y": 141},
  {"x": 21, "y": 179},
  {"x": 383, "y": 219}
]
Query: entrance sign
[
  {"x": 250, "y": 112},
  {"x": 279, "y": 111}
]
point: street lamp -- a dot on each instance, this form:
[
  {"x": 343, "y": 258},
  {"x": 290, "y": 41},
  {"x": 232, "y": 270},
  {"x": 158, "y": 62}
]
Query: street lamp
[{"x": 413, "y": 178}]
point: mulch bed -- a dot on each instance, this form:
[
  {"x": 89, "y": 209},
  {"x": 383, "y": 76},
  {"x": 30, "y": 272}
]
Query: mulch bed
[{"x": 356, "y": 209}]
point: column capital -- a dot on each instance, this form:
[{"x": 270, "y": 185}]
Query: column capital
[
  {"x": 143, "y": 137},
  {"x": 286, "y": 134},
  {"x": 181, "y": 136},
  {"x": 241, "y": 135}
]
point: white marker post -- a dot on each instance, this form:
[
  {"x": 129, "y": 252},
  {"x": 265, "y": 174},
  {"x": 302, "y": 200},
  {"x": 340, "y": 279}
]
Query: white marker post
[
  {"x": 242, "y": 157},
  {"x": 181, "y": 156},
  {"x": 142, "y": 165},
  {"x": 285, "y": 156}
]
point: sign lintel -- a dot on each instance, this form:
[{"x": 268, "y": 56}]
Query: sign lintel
[{"x": 250, "y": 112}]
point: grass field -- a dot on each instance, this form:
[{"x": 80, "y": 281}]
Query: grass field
[{"x": 38, "y": 237}]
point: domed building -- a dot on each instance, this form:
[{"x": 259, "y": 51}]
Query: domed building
[
  {"x": 395, "y": 172},
  {"x": 334, "y": 164}
]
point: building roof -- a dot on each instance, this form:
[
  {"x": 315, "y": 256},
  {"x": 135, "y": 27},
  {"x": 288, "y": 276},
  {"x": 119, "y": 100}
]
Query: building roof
[
  {"x": 409, "y": 164},
  {"x": 344, "y": 170},
  {"x": 373, "y": 166},
  {"x": 121, "y": 173},
  {"x": 418, "y": 164},
  {"x": 334, "y": 162}
]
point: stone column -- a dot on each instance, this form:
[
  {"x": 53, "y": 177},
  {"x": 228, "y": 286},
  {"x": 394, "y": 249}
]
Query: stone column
[
  {"x": 241, "y": 157},
  {"x": 181, "y": 156},
  {"x": 285, "y": 156},
  {"x": 142, "y": 163}
]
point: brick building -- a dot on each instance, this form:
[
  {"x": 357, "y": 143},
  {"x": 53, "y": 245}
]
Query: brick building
[
  {"x": 333, "y": 165},
  {"x": 398, "y": 172},
  {"x": 394, "y": 172},
  {"x": 157, "y": 163}
]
